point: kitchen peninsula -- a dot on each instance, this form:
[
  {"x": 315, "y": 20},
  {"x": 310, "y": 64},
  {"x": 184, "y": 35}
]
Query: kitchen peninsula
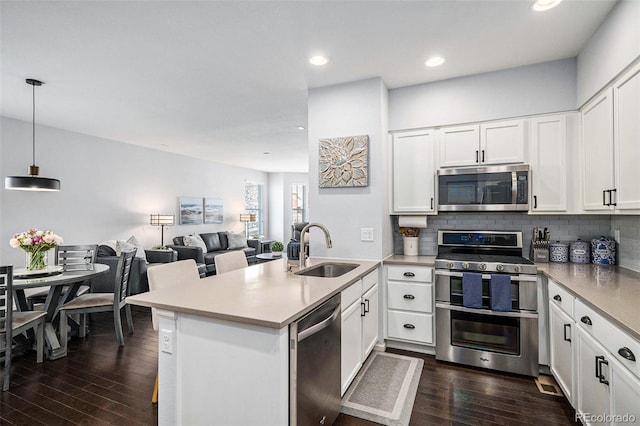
[{"x": 224, "y": 341}]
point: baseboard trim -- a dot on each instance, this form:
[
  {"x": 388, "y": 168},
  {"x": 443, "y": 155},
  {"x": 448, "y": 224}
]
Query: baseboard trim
[{"x": 430, "y": 350}]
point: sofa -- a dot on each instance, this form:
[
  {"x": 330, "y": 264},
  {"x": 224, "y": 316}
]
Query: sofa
[
  {"x": 216, "y": 243},
  {"x": 138, "y": 283}
]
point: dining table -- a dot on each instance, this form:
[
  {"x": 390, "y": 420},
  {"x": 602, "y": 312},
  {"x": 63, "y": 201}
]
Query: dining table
[{"x": 71, "y": 280}]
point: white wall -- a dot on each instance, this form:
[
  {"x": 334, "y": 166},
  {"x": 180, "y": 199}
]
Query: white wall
[
  {"x": 350, "y": 109},
  {"x": 276, "y": 206},
  {"x": 612, "y": 48},
  {"x": 108, "y": 188},
  {"x": 534, "y": 89}
]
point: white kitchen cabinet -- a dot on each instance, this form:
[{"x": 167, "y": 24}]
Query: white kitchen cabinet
[
  {"x": 560, "y": 348},
  {"x": 499, "y": 142},
  {"x": 414, "y": 172},
  {"x": 359, "y": 326},
  {"x": 625, "y": 393},
  {"x": 611, "y": 131},
  {"x": 626, "y": 123},
  {"x": 548, "y": 161},
  {"x": 410, "y": 304},
  {"x": 592, "y": 396}
]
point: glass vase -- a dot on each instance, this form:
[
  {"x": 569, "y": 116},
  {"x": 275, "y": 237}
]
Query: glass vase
[{"x": 36, "y": 260}]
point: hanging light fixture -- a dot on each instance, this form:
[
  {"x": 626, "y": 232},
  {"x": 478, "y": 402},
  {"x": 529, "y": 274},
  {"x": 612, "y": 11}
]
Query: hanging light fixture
[{"x": 32, "y": 182}]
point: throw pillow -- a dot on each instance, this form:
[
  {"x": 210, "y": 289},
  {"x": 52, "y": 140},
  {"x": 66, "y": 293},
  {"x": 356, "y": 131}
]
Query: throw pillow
[
  {"x": 124, "y": 246},
  {"x": 139, "y": 250},
  {"x": 109, "y": 244},
  {"x": 195, "y": 241},
  {"x": 237, "y": 241}
]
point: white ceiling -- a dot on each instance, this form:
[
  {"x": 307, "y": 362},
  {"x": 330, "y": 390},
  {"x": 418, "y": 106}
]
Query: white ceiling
[{"x": 228, "y": 80}]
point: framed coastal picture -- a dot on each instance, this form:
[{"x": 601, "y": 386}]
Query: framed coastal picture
[
  {"x": 344, "y": 162},
  {"x": 213, "y": 210},
  {"x": 190, "y": 211}
]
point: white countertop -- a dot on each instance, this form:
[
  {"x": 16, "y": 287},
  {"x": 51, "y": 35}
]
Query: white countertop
[
  {"x": 263, "y": 294},
  {"x": 399, "y": 259}
]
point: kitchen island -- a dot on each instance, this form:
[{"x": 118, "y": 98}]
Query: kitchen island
[{"x": 224, "y": 341}]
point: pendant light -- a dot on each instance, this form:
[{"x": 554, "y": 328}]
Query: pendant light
[{"x": 32, "y": 182}]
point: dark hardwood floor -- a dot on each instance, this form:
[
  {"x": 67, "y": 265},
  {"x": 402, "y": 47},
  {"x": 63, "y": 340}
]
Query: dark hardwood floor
[{"x": 99, "y": 383}]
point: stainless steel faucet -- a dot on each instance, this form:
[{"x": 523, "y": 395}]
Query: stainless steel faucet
[{"x": 303, "y": 252}]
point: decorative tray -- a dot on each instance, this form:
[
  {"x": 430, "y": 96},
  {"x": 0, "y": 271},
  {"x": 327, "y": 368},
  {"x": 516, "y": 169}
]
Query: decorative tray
[{"x": 48, "y": 271}]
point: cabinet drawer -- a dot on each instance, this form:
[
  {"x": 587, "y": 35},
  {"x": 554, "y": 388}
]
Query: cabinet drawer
[
  {"x": 561, "y": 298},
  {"x": 369, "y": 281},
  {"x": 410, "y": 326},
  {"x": 616, "y": 341},
  {"x": 410, "y": 297},
  {"x": 410, "y": 273},
  {"x": 350, "y": 295}
]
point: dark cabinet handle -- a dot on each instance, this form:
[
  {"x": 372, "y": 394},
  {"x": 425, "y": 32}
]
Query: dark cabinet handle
[
  {"x": 409, "y": 326},
  {"x": 363, "y": 309},
  {"x": 604, "y": 195},
  {"x": 535, "y": 201},
  {"x": 409, "y": 296},
  {"x": 483, "y": 155},
  {"x": 567, "y": 339},
  {"x": 585, "y": 319},
  {"x": 557, "y": 298},
  {"x": 477, "y": 158},
  {"x": 627, "y": 354},
  {"x": 409, "y": 274},
  {"x": 611, "y": 201},
  {"x": 366, "y": 306},
  {"x": 599, "y": 361},
  {"x": 431, "y": 203}
]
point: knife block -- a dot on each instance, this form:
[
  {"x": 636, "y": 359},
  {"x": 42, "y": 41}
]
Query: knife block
[{"x": 539, "y": 253}]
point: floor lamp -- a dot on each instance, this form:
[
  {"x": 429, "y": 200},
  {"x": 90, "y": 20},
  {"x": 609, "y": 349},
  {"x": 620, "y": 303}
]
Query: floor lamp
[
  {"x": 246, "y": 218},
  {"x": 162, "y": 220}
]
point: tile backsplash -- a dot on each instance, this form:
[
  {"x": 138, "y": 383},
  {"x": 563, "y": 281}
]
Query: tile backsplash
[{"x": 565, "y": 228}]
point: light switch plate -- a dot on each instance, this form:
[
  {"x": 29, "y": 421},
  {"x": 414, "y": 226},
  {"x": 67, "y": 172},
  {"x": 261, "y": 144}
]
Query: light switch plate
[
  {"x": 166, "y": 341},
  {"x": 616, "y": 235},
  {"x": 366, "y": 234}
]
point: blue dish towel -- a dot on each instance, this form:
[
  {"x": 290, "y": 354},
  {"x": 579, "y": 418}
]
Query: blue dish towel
[
  {"x": 472, "y": 290},
  {"x": 500, "y": 292}
]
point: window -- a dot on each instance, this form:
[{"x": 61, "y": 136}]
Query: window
[
  {"x": 253, "y": 204},
  {"x": 298, "y": 212}
]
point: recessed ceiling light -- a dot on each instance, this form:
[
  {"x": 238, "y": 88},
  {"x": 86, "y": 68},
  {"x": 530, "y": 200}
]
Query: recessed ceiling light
[
  {"x": 266, "y": 153},
  {"x": 434, "y": 61},
  {"x": 318, "y": 60},
  {"x": 542, "y": 5},
  {"x": 300, "y": 127}
]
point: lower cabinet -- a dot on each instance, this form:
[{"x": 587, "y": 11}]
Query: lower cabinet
[
  {"x": 359, "y": 326},
  {"x": 561, "y": 351}
]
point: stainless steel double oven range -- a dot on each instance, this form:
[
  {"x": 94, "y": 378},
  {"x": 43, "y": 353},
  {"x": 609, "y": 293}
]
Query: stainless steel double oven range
[{"x": 481, "y": 337}]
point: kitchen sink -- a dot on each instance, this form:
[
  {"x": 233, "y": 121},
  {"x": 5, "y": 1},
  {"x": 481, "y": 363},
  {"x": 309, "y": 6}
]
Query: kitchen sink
[{"x": 328, "y": 270}]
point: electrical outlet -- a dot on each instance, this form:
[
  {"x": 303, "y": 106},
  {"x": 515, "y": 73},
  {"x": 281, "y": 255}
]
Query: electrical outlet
[
  {"x": 166, "y": 341},
  {"x": 366, "y": 234},
  {"x": 616, "y": 235}
]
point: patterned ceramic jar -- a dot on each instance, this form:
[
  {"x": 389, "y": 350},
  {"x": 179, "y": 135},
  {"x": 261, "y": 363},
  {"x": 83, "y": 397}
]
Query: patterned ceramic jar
[
  {"x": 579, "y": 252},
  {"x": 558, "y": 252},
  {"x": 603, "y": 251}
]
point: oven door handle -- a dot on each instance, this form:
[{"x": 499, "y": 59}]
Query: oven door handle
[
  {"x": 514, "y": 314},
  {"x": 445, "y": 273}
]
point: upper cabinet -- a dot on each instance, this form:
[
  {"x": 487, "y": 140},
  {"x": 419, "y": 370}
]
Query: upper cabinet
[
  {"x": 611, "y": 131},
  {"x": 413, "y": 172},
  {"x": 500, "y": 142}
]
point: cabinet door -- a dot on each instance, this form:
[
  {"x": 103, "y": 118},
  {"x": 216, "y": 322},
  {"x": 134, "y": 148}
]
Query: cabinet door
[
  {"x": 351, "y": 341},
  {"x": 459, "y": 146},
  {"x": 625, "y": 394},
  {"x": 502, "y": 142},
  {"x": 626, "y": 96},
  {"x": 592, "y": 396},
  {"x": 548, "y": 156},
  {"x": 597, "y": 137},
  {"x": 560, "y": 336},
  {"x": 413, "y": 172},
  {"x": 370, "y": 321}
]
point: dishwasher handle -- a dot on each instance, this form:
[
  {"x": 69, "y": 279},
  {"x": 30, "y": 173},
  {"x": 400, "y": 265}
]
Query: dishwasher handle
[{"x": 316, "y": 328}]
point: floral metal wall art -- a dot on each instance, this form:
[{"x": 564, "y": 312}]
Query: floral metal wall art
[{"x": 344, "y": 162}]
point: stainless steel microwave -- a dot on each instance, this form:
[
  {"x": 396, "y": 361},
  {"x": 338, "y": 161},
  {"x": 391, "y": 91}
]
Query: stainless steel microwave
[{"x": 496, "y": 188}]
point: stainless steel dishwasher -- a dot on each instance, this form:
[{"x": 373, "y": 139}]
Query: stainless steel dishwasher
[{"x": 314, "y": 366}]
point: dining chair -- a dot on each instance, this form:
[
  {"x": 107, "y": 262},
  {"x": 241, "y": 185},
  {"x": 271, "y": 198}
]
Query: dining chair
[
  {"x": 102, "y": 302},
  {"x": 12, "y": 323},
  {"x": 230, "y": 261},
  {"x": 72, "y": 258},
  {"x": 169, "y": 275}
]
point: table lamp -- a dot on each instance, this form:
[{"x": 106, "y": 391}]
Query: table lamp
[
  {"x": 246, "y": 218},
  {"x": 162, "y": 220}
]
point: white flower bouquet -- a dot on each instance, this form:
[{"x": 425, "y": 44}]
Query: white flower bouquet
[{"x": 36, "y": 243}]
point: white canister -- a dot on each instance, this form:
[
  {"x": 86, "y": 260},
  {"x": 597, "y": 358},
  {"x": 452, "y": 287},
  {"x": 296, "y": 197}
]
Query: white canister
[
  {"x": 579, "y": 252},
  {"x": 410, "y": 246},
  {"x": 558, "y": 252}
]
